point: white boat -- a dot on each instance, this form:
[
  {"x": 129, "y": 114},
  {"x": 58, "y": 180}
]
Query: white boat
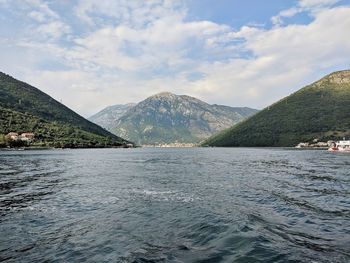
[{"x": 340, "y": 146}]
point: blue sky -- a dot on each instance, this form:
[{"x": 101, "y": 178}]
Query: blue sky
[
  {"x": 237, "y": 13},
  {"x": 91, "y": 54}
]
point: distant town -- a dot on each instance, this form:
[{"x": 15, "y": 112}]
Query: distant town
[
  {"x": 171, "y": 145},
  {"x": 15, "y": 139},
  {"x": 26, "y": 136}
]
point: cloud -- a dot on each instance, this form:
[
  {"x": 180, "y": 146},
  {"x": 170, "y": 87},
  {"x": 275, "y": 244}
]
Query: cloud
[
  {"x": 278, "y": 20},
  {"x": 128, "y": 12},
  {"x": 55, "y": 29},
  {"x": 124, "y": 51},
  {"x": 42, "y": 7},
  {"x": 310, "y": 6},
  {"x": 38, "y": 16},
  {"x": 44, "y": 23},
  {"x": 283, "y": 58},
  {"x": 126, "y": 48}
]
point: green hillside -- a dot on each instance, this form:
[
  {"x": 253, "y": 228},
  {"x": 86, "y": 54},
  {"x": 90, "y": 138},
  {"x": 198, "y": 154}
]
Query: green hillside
[
  {"x": 318, "y": 111},
  {"x": 24, "y": 108}
]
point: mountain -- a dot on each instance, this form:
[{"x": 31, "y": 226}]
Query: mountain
[
  {"x": 169, "y": 118},
  {"x": 107, "y": 117},
  {"x": 318, "y": 111},
  {"x": 24, "y": 108}
]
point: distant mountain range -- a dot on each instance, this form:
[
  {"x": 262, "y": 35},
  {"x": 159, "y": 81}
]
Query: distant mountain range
[
  {"x": 318, "y": 111},
  {"x": 169, "y": 118},
  {"x": 24, "y": 108}
]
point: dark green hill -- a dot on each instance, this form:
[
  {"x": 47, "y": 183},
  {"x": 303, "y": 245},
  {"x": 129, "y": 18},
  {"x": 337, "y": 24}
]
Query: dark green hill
[
  {"x": 318, "y": 111},
  {"x": 24, "y": 108}
]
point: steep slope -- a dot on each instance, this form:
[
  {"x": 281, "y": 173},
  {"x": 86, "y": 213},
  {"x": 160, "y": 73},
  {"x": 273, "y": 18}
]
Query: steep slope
[
  {"x": 108, "y": 117},
  {"x": 26, "y": 108},
  {"x": 168, "y": 118},
  {"x": 318, "y": 111}
]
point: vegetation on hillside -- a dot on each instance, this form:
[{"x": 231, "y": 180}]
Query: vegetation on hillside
[
  {"x": 48, "y": 134},
  {"x": 24, "y": 108},
  {"x": 318, "y": 111}
]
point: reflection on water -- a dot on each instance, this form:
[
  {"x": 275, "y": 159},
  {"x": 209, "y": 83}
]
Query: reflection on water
[{"x": 174, "y": 205}]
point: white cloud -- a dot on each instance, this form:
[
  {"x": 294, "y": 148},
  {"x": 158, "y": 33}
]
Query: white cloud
[
  {"x": 133, "y": 49},
  {"x": 278, "y": 20},
  {"x": 38, "y": 16},
  {"x": 55, "y": 29},
  {"x": 126, "y": 48},
  {"x": 129, "y": 12},
  {"x": 42, "y": 7},
  {"x": 310, "y": 6},
  {"x": 46, "y": 23},
  {"x": 283, "y": 58}
]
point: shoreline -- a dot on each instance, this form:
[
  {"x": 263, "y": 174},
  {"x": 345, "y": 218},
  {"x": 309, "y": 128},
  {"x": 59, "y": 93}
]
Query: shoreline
[
  {"x": 59, "y": 148},
  {"x": 173, "y": 147}
]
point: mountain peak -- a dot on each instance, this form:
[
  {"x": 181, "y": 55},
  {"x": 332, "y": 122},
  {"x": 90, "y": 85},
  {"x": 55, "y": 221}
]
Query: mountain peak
[
  {"x": 338, "y": 77},
  {"x": 168, "y": 118},
  {"x": 164, "y": 94}
]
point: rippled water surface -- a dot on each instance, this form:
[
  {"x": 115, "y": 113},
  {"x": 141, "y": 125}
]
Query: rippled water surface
[{"x": 174, "y": 205}]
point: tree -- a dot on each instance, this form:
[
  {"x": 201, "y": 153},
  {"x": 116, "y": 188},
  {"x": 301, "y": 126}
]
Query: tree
[{"x": 3, "y": 141}]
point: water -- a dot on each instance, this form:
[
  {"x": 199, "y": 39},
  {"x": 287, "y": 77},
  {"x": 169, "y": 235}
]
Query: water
[{"x": 174, "y": 205}]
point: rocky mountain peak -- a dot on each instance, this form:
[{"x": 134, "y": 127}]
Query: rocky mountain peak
[
  {"x": 169, "y": 118},
  {"x": 164, "y": 94},
  {"x": 338, "y": 77}
]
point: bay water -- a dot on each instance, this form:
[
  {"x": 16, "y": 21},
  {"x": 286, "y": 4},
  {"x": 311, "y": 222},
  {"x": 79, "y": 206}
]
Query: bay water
[{"x": 174, "y": 205}]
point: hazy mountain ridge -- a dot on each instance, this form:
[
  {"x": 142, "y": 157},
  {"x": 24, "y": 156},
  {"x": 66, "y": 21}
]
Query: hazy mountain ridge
[
  {"x": 107, "y": 117},
  {"x": 24, "y": 108},
  {"x": 167, "y": 118},
  {"x": 320, "y": 110}
]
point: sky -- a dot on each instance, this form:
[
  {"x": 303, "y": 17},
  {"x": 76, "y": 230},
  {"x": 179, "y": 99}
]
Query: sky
[{"x": 92, "y": 54}]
